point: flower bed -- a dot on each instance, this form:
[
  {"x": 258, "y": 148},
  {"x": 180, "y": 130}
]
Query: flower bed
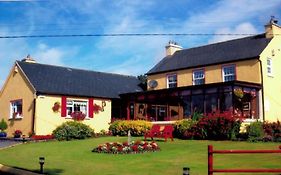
[
  {"x": 127, "y": 148},
  {"x": 42, "y": 137}
]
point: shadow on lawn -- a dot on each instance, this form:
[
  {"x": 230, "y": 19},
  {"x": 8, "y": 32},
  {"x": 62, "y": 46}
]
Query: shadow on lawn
[{"x": 46, "y": 171}]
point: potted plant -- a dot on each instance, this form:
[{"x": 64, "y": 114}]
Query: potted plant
[
  {"x": 3, "y": 127},
  {"x": 17, "y": 133}
]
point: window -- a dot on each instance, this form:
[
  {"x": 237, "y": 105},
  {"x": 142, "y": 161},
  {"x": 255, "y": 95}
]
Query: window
[
  {"x": 76, "y": 106},
  {"x": 16, "y": 109},
  {"x": 198, "y": 77},
  {"x": 228, "y": 73},
  {"x": 172, "y": 81},
  {"x": 269, "y": 66}
]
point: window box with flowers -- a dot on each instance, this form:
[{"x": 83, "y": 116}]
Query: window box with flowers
[{"x": 78, "y": 116}]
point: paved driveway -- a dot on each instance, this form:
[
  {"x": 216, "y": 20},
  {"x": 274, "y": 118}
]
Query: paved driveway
[{"x": 7, "y": 143}]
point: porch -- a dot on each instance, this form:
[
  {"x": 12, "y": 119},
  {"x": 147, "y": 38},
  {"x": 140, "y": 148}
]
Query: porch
[{"x": 241, "y": 99}]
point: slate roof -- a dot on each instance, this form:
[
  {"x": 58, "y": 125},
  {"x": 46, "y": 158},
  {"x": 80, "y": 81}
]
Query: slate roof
[
  {"x": 223, "y": 52},
  {"x": 48, "y": 79}
]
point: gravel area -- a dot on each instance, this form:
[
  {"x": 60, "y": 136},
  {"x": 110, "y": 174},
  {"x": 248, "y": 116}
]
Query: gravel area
[{"x": 8, "y": 143}]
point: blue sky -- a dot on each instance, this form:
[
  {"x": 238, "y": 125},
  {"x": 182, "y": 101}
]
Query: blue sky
[{"x": 125, "y": 55}]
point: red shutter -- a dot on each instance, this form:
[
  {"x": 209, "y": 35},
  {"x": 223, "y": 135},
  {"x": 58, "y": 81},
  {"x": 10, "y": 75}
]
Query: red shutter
[
  {"x": 63, "y": 106},
  {"x": 91, "y": 107}
]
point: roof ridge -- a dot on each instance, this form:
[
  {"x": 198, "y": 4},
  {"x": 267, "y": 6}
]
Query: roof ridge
[
  {"x": 79, "y": 69},
  {"x": 221, "y": 42}
]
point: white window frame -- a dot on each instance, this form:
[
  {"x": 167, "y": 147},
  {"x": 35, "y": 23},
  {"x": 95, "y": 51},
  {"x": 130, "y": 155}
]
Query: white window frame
[
  {"x": 269, "y": 66},
  {"x": 170, "y": 84},
  {"x": 14, "y": 108},
  {"x": 70, "y": 104},
  {"x": 226, "y": 73},
  {"x": 201, "y": 76}
]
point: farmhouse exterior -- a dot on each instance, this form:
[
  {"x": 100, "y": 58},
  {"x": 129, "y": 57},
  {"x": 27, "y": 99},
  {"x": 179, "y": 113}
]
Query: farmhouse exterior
[
  {"x": 241, "y": 77},
  {"x": 37, "y": 97}
]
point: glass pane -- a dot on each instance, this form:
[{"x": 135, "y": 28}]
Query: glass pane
[
  {"x": 198, "y": 103},
  {"x": 226, "y": 101},
  {"x": 211, "y": 103}
]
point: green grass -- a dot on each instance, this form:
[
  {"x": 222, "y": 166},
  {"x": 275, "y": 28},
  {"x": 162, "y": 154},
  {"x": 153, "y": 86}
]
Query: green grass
[{"x": 75, "y": 157}]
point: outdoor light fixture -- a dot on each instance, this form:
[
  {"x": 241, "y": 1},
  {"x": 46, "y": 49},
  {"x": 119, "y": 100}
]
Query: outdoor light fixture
[
  {"x": 41, "y": 162},
  {"x": 185, "y": 171}
]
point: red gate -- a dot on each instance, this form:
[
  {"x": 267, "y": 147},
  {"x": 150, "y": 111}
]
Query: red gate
[{"x": 210, "y": 161}]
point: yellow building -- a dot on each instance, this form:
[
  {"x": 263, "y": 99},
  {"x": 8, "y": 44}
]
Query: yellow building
[
  {"x": 36, "y": 98},
  {"x": 240, "y": 77}
]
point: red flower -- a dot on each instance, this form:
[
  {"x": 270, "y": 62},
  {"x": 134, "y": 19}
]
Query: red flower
[{"x": 78, "y": 116}]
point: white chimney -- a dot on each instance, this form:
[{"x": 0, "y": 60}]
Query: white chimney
[
  {"x": 272, "y": 28},
  {"x": 172, "y": 47}
]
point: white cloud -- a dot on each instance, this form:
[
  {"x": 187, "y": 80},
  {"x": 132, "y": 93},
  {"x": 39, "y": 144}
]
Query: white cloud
[
  {"x": 47, "y": 55},
  {"x": 244, "y": 28}
]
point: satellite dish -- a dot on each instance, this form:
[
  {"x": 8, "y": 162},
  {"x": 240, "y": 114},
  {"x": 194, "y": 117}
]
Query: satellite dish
[{"x": 152, "y": 83}]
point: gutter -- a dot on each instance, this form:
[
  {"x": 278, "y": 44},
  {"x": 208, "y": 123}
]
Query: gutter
[{"x": 261, "y": 73}]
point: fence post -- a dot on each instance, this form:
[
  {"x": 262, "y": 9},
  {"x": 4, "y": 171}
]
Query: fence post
[{"x": 210, "y": 160}]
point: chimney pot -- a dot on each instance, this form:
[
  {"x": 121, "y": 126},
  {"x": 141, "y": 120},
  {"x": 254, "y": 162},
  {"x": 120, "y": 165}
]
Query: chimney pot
[{"x": 28, "y": 59}]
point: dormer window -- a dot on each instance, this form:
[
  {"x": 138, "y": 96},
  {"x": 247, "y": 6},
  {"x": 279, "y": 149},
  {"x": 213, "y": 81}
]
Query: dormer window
[
  {"x": 198, "y": 77},
  {"x": 228, "y": 73},
  {"x": 172, "y": 81}
]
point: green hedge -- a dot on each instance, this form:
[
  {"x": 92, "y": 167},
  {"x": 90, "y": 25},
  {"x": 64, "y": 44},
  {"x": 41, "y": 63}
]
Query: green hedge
[
  {"x": 73, "y": 130},
  {"x": 136, "y": 127}
]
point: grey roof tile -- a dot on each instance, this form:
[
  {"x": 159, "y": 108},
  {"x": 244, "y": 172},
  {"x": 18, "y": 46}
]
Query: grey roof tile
[
  {"x": 48, "y": 79},
  {"x": 228, "y": 51}
]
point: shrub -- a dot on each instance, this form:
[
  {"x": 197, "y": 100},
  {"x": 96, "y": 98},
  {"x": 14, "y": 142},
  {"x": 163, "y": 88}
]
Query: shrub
[
  {"x": 3, "y": 125},
  {"x": 216, "y": 128},
  {"x": 72, "y": 130},
  {"x": 182, "y": 128},
  {"x": 255, "y": 131},
  {"x": 136, "y": 127},
  {"x": 273, "y": 131}
]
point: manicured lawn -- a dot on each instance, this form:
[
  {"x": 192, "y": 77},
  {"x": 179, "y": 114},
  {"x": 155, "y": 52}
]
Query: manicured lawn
[{"x": 75, "y": 157}]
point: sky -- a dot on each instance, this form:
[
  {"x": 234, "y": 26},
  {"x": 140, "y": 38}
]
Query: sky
[{"x": 130, "y": 55}]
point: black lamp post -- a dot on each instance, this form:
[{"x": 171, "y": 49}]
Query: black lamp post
[{"x": 41, "y": 162}]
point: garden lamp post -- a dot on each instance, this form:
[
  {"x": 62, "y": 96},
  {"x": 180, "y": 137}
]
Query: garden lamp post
[
  {"x": 185, "y": 171},
  {"x": 129, "y": 137},
  {"x": 41, "y": 162}
]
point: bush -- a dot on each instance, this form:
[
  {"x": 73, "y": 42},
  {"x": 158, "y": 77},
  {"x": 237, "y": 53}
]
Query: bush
[
  {"x": 273, "y": 131},
  {"x": 72, "y": 130},
  {"x": 136, "y": 127},
  {"x": 216, "y": 128},
  {"x": 182, "y": 128},
  {"x": 3, "y": 125},
  {"x": 255, "y": 131}
]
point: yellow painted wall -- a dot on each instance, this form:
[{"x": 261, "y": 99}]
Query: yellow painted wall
[
  {"x": 17, "y": 87},
  {"x": 272, "y": 84},
  {"x": 47, "y": 120},
  {"x": 246, "y": 71}
]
